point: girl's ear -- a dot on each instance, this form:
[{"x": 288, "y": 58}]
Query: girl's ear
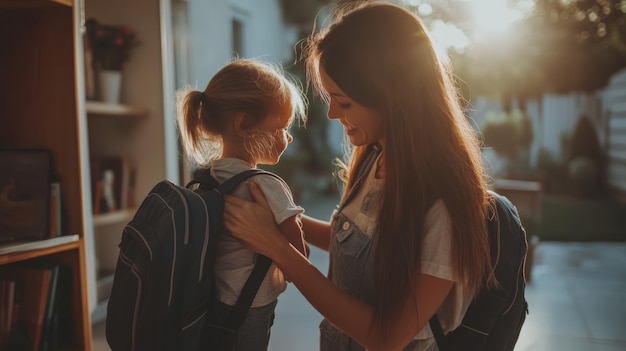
[{"x": 242, "y": 125}]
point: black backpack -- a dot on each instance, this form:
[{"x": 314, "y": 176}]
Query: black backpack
[
  {"x": 163, "y": 288},
  {"x": 494, "y": 319}
]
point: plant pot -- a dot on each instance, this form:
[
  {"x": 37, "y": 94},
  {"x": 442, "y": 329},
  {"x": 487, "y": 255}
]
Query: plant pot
[{"x": 110, "y": 84}]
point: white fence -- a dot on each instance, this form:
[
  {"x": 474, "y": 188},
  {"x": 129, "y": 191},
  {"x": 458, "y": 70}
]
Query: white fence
[
  {"x": 554, "y": 117},
  {"x": 614, "y": 105}
]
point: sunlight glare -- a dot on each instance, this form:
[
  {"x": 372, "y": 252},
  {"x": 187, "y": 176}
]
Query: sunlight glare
[
  {"x": 493, "y": 16},
  {"x": 425, "y": 9},
  {"x": 448, "y": 36}
]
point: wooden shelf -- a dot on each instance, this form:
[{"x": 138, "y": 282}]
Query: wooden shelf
[
  {"x": 28, "y": 4},
  {"x": 24, "y": 250},
  {"x": 97, "y": 108},
  {"x": 113, "y": 217},
  {"x": 43, "y": 52}
]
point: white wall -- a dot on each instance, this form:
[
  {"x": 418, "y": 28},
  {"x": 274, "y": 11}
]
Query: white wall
[
  {"x": 614, "y": 109},
  {"x": 203, "y": 39},
  {"x": 210, "y": 35}
]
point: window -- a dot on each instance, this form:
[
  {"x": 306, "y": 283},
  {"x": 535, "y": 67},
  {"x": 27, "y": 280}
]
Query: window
[
  {"x": 238, "y": 38},
  {"x": 239, "y": 27}
]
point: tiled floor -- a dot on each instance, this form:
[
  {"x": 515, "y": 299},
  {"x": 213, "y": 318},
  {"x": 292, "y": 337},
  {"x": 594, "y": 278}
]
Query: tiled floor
[
  {"x": 577, "y": 298},
  {"x": 577, "y": 301}
]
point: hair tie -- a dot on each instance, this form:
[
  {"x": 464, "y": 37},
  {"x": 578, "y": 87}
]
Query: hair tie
[{"x": 202, "y": 98}]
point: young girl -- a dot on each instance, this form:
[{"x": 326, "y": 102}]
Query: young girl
[{"x": 241, "y": 120}]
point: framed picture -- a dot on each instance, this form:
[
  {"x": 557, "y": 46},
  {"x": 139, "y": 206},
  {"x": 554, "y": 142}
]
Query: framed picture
[{"x": 24, "y": 194}]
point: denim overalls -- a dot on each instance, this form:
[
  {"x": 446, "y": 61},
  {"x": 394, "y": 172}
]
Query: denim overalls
[{"x": 351, "y": 260}]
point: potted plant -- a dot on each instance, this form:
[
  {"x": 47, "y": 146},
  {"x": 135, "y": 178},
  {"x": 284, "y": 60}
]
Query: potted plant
[{"x": 110, "y": 48}]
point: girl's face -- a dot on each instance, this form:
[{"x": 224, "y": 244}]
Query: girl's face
[
  {"x": 276, "y": 130},
  {"x": 364, "y": 125}
]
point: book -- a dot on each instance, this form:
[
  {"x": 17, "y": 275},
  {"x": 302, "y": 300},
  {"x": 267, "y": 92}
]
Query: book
[
  {"x": 110, "y": 195},
  {"x": 55, "y": 209},
  {"x": 24, "y": 194},
  {"x": 7, "y": 298},
  {"x": 113, "y": 183},
  {"x": 47, "y": 338},
  {"x": 35, "y": 286},
  {"x": 97, "y": 196},
  {"x": 106, "y": 175},
  {"x": 56, "y": 331},
  {"x": 129, "y": 172}
]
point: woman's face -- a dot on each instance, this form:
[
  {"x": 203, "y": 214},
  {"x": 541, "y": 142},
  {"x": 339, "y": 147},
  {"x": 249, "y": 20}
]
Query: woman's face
[{"x": 364, "y": 125}]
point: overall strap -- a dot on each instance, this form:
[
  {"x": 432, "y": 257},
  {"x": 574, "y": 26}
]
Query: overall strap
[{"x": 373, "y": 151}]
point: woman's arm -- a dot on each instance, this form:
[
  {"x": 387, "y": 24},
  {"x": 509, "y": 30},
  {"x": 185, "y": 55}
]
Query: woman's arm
[
  {"x": 253, "y": 224},
  {"x": 317, "y": 232}
]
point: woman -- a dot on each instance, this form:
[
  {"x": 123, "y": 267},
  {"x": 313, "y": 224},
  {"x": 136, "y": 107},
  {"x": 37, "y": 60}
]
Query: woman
[{"x": 409, "y": 237}]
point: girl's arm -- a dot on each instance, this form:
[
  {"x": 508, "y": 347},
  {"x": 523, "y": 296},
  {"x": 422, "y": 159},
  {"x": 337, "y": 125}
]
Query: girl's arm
[
  {"x": 253, "y": 224},
  {"x": 292, "y": 230}
]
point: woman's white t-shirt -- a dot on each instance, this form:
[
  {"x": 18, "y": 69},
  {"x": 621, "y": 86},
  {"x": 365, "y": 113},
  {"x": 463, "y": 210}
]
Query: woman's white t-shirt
[{"x": 436, "y": 255}]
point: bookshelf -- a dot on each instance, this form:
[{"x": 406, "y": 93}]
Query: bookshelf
[
  {"x": 114, "y": 130},
  {"x": 40, "y": 108},
  {"x": 140, "y": 129},
  {"x": 107, "y": 110},
  {"x": 25, "y": 250},
  {"x": 102, "y": 115}
]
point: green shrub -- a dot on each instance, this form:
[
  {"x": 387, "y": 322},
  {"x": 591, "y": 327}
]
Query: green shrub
[
  {"x": 555, "y": 171},
  {"x": 586, "y": 159},
  {"x": 498, "y": 134},
  {"x": 583, "y": 176},
  {"x": 510, "y": 136},
  {"x": 584, "y": 141}
]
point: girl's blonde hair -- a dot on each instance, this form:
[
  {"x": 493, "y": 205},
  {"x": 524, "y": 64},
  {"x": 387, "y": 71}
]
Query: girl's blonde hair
[
  {"x": 381, "y": 56},
  {"x": 249, "y": 86}
]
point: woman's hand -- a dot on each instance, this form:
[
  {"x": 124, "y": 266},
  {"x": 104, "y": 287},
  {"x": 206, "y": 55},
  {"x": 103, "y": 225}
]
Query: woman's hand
[{"x": 253, "y": 222}]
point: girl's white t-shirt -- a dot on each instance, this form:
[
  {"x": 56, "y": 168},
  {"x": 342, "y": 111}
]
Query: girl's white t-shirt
[{"x": 234, "y": 260}]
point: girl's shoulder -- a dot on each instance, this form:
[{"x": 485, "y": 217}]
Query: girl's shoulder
[
  {"x": 278, "y": 195},
  {"x": 271, "y": 180}
]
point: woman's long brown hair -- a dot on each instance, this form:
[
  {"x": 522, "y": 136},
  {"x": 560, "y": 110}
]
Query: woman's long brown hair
[{"x": 381, "y": 56}]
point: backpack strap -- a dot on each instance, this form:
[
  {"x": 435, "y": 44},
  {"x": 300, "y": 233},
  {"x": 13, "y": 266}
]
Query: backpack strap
[
  {"x": 248, "y": 292},
  {"x": 443, "y": 343},
  {"x": 208, "y": 182},
  {"x": 204, "y": 178},
  {"x": 435, "y": 326},
  {"x": 263, "y": 263}
]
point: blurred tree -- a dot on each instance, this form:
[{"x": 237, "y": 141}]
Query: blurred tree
[
  {"x": 583, "y": 42},
  {"x": 561, "y": 46}
]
